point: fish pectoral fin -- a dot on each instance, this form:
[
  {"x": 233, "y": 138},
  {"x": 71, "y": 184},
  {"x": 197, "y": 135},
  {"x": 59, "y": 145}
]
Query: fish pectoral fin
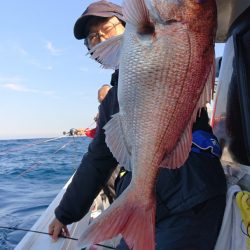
[
  {"x": 136, "y": 13},
  {"x": 117, "y": 143},
  {"x": 108, "y": 52},
  {"x": 181, "y": 151}
]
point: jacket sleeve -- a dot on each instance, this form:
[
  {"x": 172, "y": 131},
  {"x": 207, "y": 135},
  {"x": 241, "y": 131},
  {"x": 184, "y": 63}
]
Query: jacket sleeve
[
  {"x": 94, "y": 171},
  {"x": 90, "y": 132}
]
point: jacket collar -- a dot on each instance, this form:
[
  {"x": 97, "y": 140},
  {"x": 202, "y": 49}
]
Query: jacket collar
[{"x": 114, "y": 78}]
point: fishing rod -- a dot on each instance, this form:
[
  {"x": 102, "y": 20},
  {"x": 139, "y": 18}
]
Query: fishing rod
[
  {"x": 34, "y": 231},
  {"x": 39, "y": 232}
]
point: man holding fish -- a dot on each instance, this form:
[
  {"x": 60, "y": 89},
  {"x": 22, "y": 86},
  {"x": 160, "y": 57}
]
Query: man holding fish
[{"x": 172, "y": 191}]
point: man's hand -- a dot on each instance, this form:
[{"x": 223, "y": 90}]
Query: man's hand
[
  {"x": 80, "y": 131},
  {"x": 56, "y": 228}
]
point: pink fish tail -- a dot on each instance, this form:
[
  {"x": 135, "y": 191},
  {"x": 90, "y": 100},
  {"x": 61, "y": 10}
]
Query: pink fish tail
[
  {"x": 139, "y": 232},
  {"x": 135, "y": 222}
]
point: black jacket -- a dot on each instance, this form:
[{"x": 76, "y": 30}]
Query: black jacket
[{"x": 201, "y": 179}]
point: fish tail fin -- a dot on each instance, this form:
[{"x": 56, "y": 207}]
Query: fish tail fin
[{"x": 136, "y": 223}]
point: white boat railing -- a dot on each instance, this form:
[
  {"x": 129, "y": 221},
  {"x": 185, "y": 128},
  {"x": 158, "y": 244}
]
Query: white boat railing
[
  {"x": 42, "y": 241},
  {"x": 34, "y": 241}
]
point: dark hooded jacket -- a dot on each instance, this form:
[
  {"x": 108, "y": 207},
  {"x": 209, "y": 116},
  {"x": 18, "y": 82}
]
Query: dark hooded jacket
[{"x": 200, "y": 179}]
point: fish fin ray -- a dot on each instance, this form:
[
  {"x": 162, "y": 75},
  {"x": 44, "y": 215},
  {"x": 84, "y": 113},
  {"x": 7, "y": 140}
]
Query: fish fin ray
[
  {"x": 136, "y": 12},
  {"x": 140, "y": 229},
  {"x": 181, "y": 151},
  {"x": 208, "y": 90},
  {"x": 212, "y": 76},
  {"x": 135, "y": 223},
  {"x": 117, "y": 143},
  {"x": 108, "y": 52}
]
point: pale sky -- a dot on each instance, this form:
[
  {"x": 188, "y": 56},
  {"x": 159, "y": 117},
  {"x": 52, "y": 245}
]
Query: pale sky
[{"x": 47, "y": 83}]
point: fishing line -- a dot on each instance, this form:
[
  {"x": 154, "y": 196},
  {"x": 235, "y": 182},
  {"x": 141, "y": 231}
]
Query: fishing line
[
  {"x": 66, "y": 144},
  {"x": 33, "y": 166},
  {"x": 23, "y": 147},
  {"x": 39, "y": 232},
  {"x": 161, "y": 202},
  {"x": 91, "y": 124},
  {"x": 75, "y": 153},
  {"x": 75, "y": 146}
]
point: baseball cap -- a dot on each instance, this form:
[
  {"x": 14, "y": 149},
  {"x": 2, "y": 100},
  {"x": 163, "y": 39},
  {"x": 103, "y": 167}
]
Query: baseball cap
[{"x": 101, "y": 8}]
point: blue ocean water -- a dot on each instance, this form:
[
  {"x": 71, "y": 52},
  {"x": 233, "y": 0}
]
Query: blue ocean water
[{"x": 32, "y": 172}]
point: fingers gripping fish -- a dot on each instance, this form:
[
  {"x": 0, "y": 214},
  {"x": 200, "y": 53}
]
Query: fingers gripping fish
[{"x": 166, "y": 73}]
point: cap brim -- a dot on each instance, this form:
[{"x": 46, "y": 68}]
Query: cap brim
[{"x": 80, "y": 25}]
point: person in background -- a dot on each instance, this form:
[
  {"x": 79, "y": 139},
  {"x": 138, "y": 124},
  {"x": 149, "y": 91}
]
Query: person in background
[
  {"x": 190, "y": 200},
  {"x": 102, "y": 92}
]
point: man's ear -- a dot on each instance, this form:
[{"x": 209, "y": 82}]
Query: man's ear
[{"x": 86, "y": 44}]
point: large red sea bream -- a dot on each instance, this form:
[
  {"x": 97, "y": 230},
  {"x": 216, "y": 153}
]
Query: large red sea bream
[{"x": 166, "y": 63}]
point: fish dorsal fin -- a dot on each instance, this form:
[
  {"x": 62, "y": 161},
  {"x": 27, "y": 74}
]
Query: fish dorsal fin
[
  {"x": 136, "y": 13},
  {"x": 108, "y": 52}
]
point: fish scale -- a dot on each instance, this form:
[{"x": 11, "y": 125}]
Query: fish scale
[{"x": 129, "y": 75}]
